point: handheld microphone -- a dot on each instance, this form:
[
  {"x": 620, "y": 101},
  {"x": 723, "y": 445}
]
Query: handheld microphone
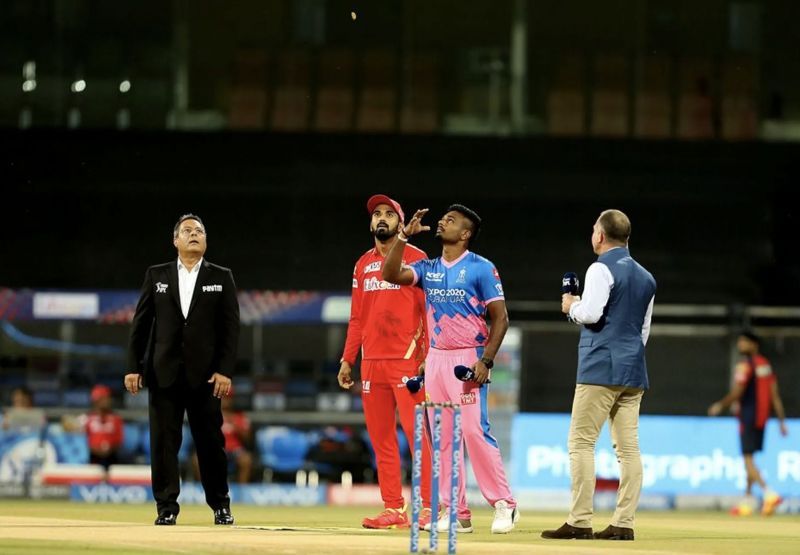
[
  {"x": 570, "y": 283},
  {"x": 415, "y": 384},
  {"x": 465, "y": 373}
]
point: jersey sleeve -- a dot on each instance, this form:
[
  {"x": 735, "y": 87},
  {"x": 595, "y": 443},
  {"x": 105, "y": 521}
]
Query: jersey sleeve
[
  {"x": 353, "y": 342},
  {"x": 419, "y": 268},
  {"x": 490, "y": 288},
  {"x": 742, "y": 373}
]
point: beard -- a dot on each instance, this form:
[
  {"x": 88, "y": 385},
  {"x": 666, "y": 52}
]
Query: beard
[
  {"x": 441, "y": 238},
  {"x": 383, "y": 234}
]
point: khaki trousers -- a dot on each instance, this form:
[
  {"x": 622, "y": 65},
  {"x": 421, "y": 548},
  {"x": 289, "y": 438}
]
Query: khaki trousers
[{"x": 592, "y": 405}]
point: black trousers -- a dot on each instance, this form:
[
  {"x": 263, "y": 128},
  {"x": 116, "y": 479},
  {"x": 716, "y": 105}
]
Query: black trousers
[{"x": 167, "y": 408}]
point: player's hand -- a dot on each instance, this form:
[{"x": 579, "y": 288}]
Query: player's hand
[
  {"x": 715, "y": 409},
  {"x": 133, "y": 383},
  {"x": 481, "y": 373},
  {"x": 414, "y": 225},
  {"x": 344, "y": 377},
  {"x": 222, "y": 385},
  {"x": 784, "y": 429},
  {"x": 421, "y": 369},
  {"x": 566, "y": 302}
]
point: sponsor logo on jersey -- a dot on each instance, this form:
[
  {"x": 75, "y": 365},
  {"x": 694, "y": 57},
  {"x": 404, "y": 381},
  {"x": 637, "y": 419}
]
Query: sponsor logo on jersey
[
  {"x": 374, "y": 267},
  {"x": 468, "y": 398},
  {"x": 451, "y": 295},
  {"x": 462, "y": 276},
  {"x": 212, "y": 288},
  {"x": 499, "y": 287},
  {"x": 434, "y": 276},
  {"x": 496, "y": 273},
  {"x": 375, "y": 284},
  {"x": 763, "y": 370}
]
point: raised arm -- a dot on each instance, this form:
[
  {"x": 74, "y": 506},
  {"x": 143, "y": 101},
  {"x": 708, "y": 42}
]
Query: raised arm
[{"x": 393, "y": 270}]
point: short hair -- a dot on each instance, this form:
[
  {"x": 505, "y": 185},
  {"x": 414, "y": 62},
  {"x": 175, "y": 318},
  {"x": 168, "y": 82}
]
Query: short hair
[
  {"x": 469, "y": 214},
  {"x": 616, "y": 225},
  {"x": 183, "y": 219},
  {"x": 750, "y": 334}
]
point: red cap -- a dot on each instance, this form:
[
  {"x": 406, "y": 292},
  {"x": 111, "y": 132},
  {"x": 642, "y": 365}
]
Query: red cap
[
  {"x": 100, "y": 391},
  {"x": 375, "y": 200}
]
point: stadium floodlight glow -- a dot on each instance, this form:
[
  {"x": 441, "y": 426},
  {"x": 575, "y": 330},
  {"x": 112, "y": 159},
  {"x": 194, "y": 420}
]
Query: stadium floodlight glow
[
  {"x": 29, "y": 70},
  {"x": 124, "y": 86},
  {"x": 29, "y": 85},
  {"x": 78, "y": 86}
]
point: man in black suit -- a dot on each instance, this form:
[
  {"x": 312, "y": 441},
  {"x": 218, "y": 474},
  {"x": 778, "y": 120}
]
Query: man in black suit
[{"x": 183, "y": 344}]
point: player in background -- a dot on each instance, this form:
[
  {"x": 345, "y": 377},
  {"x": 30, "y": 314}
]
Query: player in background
[
  {"x": 461, "y": 289},
  {"x": 756, "y": 391},
  {"x": 387, "y": 326}
]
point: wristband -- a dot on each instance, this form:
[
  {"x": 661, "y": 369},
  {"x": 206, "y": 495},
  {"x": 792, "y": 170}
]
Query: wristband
[{"x": 487, "y": 362}]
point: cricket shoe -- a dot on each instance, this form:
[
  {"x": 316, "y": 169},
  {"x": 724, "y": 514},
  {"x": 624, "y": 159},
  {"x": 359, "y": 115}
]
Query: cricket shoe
[
  {"x": 504, "y": 518},
  {"x": 387, "y": 520},
  {"x": 771, "y": 502},
  {"x": 463, "y": 525},
  {"x": 742, "y": 509},
  {"x": 425, "y": 518}
]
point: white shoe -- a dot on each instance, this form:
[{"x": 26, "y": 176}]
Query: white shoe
[
  {"x": 443, "y": 525},
  {"x": 504, "y": 518}
]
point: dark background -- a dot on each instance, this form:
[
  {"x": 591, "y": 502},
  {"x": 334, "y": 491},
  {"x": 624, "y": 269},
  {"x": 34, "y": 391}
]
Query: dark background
[
  {"x": 275, "y": 120},
  {"x": 714, "y": 222}
]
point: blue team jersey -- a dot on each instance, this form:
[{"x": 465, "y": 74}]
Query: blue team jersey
[{"x": 456, "y": 296}]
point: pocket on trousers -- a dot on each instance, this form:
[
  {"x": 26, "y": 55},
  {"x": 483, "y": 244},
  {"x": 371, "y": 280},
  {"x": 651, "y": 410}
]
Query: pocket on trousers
[{"x": 585, "y": 341}]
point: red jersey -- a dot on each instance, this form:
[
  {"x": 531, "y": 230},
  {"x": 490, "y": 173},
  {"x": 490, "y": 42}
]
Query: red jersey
[
  {"x": 754, "y": 406},
  {"x": 387, "y": 321},
  {"x": 104, "y": 430},
  {"x": 234, "y": 423}
]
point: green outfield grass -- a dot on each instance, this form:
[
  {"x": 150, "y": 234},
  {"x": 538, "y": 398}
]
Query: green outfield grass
[{"x": 66, "y": 528}]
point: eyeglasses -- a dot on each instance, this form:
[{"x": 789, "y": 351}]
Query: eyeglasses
[{"x": 186, "y": 231}]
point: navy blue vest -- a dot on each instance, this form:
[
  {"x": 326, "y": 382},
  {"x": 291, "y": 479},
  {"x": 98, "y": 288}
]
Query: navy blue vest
[{"x": 611, "y": 352}]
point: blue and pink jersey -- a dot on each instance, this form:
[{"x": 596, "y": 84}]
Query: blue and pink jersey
[{"x": 456, "y": 296}]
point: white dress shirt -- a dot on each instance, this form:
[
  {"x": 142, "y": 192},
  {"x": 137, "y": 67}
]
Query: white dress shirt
[
  {"x": 596, "y": 291},
  {"x": 186, "y": 282}
]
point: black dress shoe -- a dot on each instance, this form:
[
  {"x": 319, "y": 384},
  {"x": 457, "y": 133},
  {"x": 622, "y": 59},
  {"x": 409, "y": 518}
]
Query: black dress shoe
[
  {"x": 615, "y": 533},
  {"x": 567, "y": 532},
  {"x": 223, "y": 516},
  {"x": 166, "y": 519}
]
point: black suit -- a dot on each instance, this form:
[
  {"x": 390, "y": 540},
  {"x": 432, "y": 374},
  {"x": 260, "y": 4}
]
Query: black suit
[{"x": 177, "y": 356}]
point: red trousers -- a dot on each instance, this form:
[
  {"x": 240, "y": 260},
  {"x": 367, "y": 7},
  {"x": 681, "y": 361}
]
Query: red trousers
[{"x": 384, "y": 394}]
